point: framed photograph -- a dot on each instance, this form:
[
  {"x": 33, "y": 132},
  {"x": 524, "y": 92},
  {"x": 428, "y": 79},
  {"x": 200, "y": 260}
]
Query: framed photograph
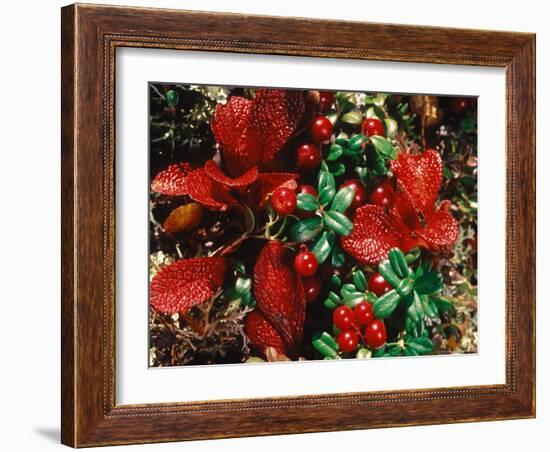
[{"x": 269, "y": 232}]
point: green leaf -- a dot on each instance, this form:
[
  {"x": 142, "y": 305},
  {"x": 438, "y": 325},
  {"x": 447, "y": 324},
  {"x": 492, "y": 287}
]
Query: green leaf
[
  {"x": 443, "y": 304},
  {"x": 357, "y": 142},
  {"x": 414, "y": 312},
  {"x": 334, "y": 152},
  {"x": 337, "y": 168},
  {"x": 335, "y": 281},
  {"x": 387, "y": 272},
  {"x": 338, "y": 223},
  {"x": 429, "y": 283},
  {"x": 376, "y": 162},
  {"x": 380, "y": 353},
  {"x": 326, "y": 195},
  {"x": 352, "y": 299},
  {"x": 326, "y": 179},
  {"x": 329, "y": 304},
  {"x": 429, "y": 309},
  {"x": 338, "y": 257},
  {"x": 343, "y": 199},
  {"x": 324, "y": 349},
  {"x": 346, "y": 289},
  {"x": 323, "y": 246},
  {"x": 360, "y": 280},
  {"x": 342, "y": 140},
  {"x": 307, "y": 202},
  {"x": 412, "y": 255},
  {"x": 380, "y": 99},
  {"x": 408, "y": 351},
  {"x": 391, "y": 128},
  {"x": 420, "y": 345},
  {"x": 345, "y": 101},
  {"x": 172, "y": 98},
  {"x": 243, "y": 285},
  {"x": 384, "y": 147},
  {"x": 327, "y": 339},
  {"x": 305, "y": 230},
  {"x": 398, "y": 262},
  {"x": 353, "y": 118},
  {"x": 386, "y": 304}
]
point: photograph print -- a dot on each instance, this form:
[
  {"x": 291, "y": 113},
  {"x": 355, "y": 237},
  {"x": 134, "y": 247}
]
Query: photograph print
[{"x": 298, "y": 225}]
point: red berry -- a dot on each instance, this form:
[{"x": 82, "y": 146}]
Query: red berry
[
  {"x": 347, "y": 341},
  {"x": 372, "y": 126},
  {"x": 375, "y": 334},
  {"x": 283, "y": 201},
  {"x": 360, "y": 193},
  {"x": 308, "y": 157},
  {"x": 383, "y": 196},
  {"x": 309, "y": 189},
  {"x": 320, "y": 129},
  {"x": 460, "y": 104},
  {"x": 305, "y": 263},
  {"x": 326, "y": 99},
  {"x": 343, "y": 318},
  {"x": 363, "y": 313},
  {"x": 378, "y": 284},
  {"x": 312, "y": 288}
]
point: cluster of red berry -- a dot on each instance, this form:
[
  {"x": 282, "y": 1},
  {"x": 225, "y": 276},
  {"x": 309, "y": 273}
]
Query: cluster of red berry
[{"x": 359, "y": 322}]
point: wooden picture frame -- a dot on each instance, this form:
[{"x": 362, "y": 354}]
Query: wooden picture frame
[{"x": 90, "y": 36}]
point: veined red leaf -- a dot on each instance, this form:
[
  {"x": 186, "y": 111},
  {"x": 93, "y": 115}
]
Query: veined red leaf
[
  {"x": 219, "y": 176},
  {"x": 279, "y": 293},
  {"x": 262, "y": 334},
  {"x": 171, "y": 181},
  {"x": 420, "y": 176},
  {"x": 186, "y": 283}
]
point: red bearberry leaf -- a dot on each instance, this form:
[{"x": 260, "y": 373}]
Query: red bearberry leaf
[
  {"x": 231, "y": 129},
  {"x": 274, "y": 117},
  {"x": 262, "y": 334},
  {"x": 252, "y": 132},
  {"x": 279, "y": 293},
  {"x": 216, "y": 174},
  {"x": 420, "y": 177},
  {"x": 374, "y": 233},
  {"x": 440, "y": 231},
  {"x": 186, "y": 283},
  {"x": 201, "y": 188},
  {"x": 405, "y": 209},
  {"x": 171, "y": 181}
]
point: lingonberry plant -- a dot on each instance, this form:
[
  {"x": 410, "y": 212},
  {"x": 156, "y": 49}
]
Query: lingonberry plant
[{"x": 302, "y": 225}]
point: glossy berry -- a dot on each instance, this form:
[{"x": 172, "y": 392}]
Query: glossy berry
[
  {"x": 343, "y": 318},
  {"x": 308, "y": 157},
  {"x": 375, "y": 334},
  {"x": 326, "y": 99},
  {"x": 372, "y": 126},
  {"x": 283, "y": 201},
  {"x": 377, "y": 284},
  {"x": 360, "y": 197},
  {"x": 363, "y": 313},
  {"x": 347, "y": 341},
  {"x": 382, "y": 196},
  {"x": 308, "y": 189},
  {"x": 305, "y": 263},
  {"x": 312, "y": 288},
  {"x": 320, "y": 129},
  {"x": 460, "y": 104}
]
